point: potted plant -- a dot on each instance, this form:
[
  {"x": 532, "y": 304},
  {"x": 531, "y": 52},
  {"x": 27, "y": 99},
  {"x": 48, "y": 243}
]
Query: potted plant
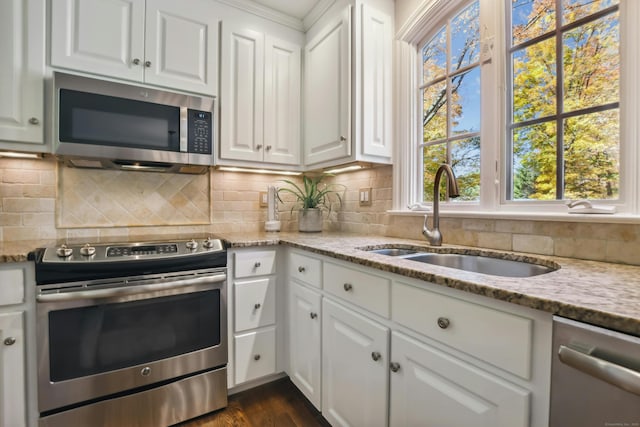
[{"x": 314, "y": 196}]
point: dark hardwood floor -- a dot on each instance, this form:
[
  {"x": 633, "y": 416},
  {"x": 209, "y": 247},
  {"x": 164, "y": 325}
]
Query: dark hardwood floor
[{"x": 277, "y": 404}]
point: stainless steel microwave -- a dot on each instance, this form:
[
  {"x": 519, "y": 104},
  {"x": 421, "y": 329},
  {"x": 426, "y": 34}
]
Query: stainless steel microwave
[{"x": 104, "y": 124}]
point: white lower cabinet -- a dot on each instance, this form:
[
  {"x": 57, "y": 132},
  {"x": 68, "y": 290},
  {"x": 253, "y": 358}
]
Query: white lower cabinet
[
  {"x": 355, "y": 375},
  {"x": 12, "y": 370},
  {"x": 304, "y": 341},
  {"x": 255, "y": 354},
  {"x": 441, "y": 358},
  {"x": 432, "y": 388}
]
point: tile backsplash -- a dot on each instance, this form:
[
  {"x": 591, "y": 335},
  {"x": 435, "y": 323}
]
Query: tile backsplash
[{"x": 40, "y": 199}]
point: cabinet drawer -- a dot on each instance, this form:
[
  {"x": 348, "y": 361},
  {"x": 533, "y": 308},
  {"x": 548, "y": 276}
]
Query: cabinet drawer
[
  {"x": 305, "y": 269},
  {"x": 11, "y": 287},
  {"x": 364, "y": 289},
  {"x": 499, "y": 338},
  {"x": 255, "y": 263},
  {"x": 254, "y": 303},
  {"x": 255, "y": 354}
]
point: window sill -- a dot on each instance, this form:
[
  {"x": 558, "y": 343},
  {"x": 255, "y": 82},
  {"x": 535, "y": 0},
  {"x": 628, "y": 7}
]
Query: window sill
[{"x": 618, "y": 218}]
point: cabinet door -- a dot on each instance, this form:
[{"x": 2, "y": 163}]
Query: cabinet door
[
  {"x": 282, "y": 102},
  {"x": 181, "y": 45},
  {"x": 433, "y": 388},
  {"x": 99, "y": 36},
  {"x": 242, "y": 92},
  {"x": 304, "y": 341},
  {"x": 21, "y": 70},
  {"x": 327, "y": 110},
  {"x": 12, "y": 370},
  {"x": 376, "y": 82},
  {"x": 354, "y": 368}
]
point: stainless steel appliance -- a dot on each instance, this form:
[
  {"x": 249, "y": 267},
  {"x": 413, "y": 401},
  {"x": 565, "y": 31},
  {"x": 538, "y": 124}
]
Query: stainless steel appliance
[
  {"x": 131, "y": 334},
  {"x": 595, "y": 378},
  {"x": 103, "y": 124}
]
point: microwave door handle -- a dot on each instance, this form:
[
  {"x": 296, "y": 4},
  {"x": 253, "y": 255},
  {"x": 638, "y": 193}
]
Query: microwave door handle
[
  {"x": 619, "y": 376},
  {"x": 184, "y": 131},
  {"x": 130, "y": 290}
]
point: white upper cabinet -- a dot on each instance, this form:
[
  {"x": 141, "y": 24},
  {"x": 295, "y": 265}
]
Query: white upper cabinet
[
  {"x": 21, "y": 74},
  {"x": 159, "y": 42},
  {"x": 327, "y": 92},
  {"x": 260, "y": 98},
  {"x": 348, "y": 95}
]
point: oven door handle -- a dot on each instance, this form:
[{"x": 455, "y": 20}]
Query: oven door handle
[
  {"x": 612, "y": 373},
  {"x": 130, "y": 290}
]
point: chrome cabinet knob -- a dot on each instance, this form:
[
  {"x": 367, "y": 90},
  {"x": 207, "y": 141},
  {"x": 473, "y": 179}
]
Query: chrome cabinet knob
[
  {"x": 395, "y": 367},
  {"x": 9, "y": 341},
  {"x": 34, "y": 121},
  {"x": 257, "y": 306},
  {"x": 259, "y": 147},
  {"x": 257, "y": 264},
  {"x": 136, "y": 61},
  {"x": 443, "y": 322},
  {"x": 268, "y": 148},
  {"x": 343, "y": 138},
  {"x": 87, "y": 250},
  {"x": 147, "y": 64},
  {"x": 63, "y": 251},
  {"x": 301, "y": 269},
  {"x": 348, "y": 287},
  {"x": 376, "y": 356},
  {"x": 256, "y": 357},
  {"x": 313, "y": 315}
]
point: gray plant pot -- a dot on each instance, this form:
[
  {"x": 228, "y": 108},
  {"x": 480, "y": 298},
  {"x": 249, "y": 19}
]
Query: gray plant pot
[{"x": 310, "y": 220}]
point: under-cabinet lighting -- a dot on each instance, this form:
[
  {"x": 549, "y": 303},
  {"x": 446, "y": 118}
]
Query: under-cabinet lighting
[
  {"x": 262, "y": 171},
  {"x": 17, "y": 155},
  {"x": 345, "y": 169}
]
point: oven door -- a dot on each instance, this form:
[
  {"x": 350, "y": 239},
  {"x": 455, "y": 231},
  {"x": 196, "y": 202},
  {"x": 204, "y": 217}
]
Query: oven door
[{"x": 134, "y": 334}]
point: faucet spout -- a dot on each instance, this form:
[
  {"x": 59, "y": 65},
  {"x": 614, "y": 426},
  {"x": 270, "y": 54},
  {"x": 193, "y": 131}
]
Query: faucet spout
[{"x": 434, "y": 236}]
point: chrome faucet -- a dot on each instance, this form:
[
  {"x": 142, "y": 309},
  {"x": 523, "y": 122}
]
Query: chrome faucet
[{"x": 434, "y": 236}]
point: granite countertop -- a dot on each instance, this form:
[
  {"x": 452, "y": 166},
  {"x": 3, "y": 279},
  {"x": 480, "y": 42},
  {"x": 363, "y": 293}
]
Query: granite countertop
[{"x": 598, "y": 293}]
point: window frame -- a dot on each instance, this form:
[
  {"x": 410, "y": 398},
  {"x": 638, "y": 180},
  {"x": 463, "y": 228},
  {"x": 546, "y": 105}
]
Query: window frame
[{"x": 493, "y": 38}]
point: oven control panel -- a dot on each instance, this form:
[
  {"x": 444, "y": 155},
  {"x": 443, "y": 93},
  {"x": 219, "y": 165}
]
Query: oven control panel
[
  {"x": 165, "y": 248},
  {"x": 130, "y": 251}
]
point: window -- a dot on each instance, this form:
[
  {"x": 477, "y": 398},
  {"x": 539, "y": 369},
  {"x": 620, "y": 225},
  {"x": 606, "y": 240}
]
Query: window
[
  {"x": 532, "y": 102},
  {"x": 563, "y": 137},
  {"x": 450, "y": 93}
]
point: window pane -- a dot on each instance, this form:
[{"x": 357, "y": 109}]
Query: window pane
[
  {"x": 534, "y": 81},
  {"x": 531, "y": 18},
  {"x": 573, "y": 10},
  {"x": 465, "y": 37},
  {"x": 433, "y": 156},
  {"x": 465, "y": 100},
  {"x": 465, "y": 161},
  {"x": 534, "y": 162},
  {"x": 592, "y": 156},
  {"x": 434, "y": 118},
  {"x": 591, "y": 64},
  {"x": 434, "y": 57}
]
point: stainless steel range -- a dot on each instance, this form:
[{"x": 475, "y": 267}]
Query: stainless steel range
[{"x": 131, "y": 334}]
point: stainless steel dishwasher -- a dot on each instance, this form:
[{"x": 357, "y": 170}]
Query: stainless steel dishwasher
[{"x": 595, "y": 377}]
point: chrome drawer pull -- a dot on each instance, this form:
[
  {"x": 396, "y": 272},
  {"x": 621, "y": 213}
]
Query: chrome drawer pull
[
  {"x": 376, "y": 356},
  {"x": 313, "y": 315},
  {"x": 257, "y": 306},
  {"x": 395, "y": 367},
  {"x": 348, "y": 287},
  {"x": 443, "y": 322},
  {"x": 256, "y": 357},
  {"x": 9, "y": 341},
  {"x": 301, "y": 269}
]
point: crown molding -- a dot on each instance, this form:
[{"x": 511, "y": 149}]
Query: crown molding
[
  {"x": 314, "y": 14},
  {"x": 267, "y": 13}
]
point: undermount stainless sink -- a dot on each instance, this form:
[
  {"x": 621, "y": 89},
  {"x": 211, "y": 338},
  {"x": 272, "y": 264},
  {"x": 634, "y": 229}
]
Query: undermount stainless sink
[
  {"x": 482, "y": 264},
  {"x": 393, "y": 251},
  {"x": 473, "y": 263}
]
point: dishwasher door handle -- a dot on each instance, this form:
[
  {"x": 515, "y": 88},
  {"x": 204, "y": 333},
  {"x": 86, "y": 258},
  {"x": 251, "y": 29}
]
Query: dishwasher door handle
[{"x": 619, "y": 376}]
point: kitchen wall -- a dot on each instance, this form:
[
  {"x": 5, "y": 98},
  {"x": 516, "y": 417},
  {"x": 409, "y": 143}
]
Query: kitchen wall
[{"x": 34, "y": 195}]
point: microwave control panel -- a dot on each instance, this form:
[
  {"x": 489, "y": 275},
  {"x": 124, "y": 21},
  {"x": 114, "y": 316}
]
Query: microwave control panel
[{"x": 200, "y": 131}]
